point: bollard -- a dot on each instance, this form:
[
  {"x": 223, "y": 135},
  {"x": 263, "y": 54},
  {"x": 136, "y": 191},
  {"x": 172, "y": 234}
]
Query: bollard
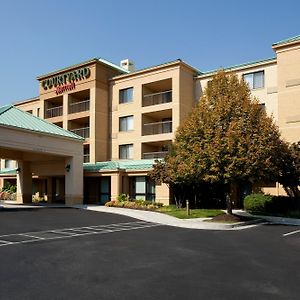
[{"x": 187, "y": 207}]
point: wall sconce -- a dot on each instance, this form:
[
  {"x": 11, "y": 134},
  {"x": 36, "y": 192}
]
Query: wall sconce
[
  {"x": 18, "y": 170},
  {"x": 68, "y": 167}
]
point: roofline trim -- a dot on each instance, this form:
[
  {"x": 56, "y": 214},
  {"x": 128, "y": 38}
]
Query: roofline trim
[
  {"x": 153, "y": 68},
  {"x": 26, "y": 100},
  {"x": 42, "y": 132},
  {"x": 72, "y": 136},
  {"x": 241, "y": 66},
  {"x": 284, "y": 42},
  {"x": 92, "y": 60},
  {"x": 5, "y": 108}
]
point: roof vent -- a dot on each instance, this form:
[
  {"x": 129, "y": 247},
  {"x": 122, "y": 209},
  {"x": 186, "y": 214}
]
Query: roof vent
[{"x": 127, "y": 64}]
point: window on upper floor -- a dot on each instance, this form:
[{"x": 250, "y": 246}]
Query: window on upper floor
[
  {"x": 126, "y": 95},
  {"x": 126, "y": 123},
  {"x": 255, "y": 80},
  {"x": 126, "y": 151},
  {"x": 8, "y": 164}
]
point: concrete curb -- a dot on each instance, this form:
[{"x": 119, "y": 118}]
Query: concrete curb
[
  {"x": 11, "y": 205},
  {"x": 271, "y": 219},
  {"x": 280, "y": 220},
  {"x": 163, "y": 219}
]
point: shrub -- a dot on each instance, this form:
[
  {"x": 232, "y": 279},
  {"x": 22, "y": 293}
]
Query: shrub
[
  {"x": 131, "y": 204},
  {"x": 135, "y": 204},
  {"x": 271, "y": 204},
  {"x": 9, "y": 188},
  {"x": 281, "y": 204},
  {"x": 37, "y": 199},
  {"x": 142, "y": 202},
  {"x": 122, "y": 198},
  {"x": 257, "y": 202},
  {"x": 109, "y": 203},
  {"x": 8, "y": 196}
]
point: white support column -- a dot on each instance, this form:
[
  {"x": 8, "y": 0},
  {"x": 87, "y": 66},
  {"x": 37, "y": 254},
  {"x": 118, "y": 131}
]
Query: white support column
[
  {"x": 74, "y": 180},
  {"x": 24, "y": 182}
]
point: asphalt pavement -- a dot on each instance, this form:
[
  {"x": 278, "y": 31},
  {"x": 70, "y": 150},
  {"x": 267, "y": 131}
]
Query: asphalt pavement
[{"x": 108, "y": 256}]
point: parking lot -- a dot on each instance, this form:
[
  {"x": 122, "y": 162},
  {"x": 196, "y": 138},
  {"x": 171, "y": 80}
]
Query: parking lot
[{"x": 64, "y": 253}]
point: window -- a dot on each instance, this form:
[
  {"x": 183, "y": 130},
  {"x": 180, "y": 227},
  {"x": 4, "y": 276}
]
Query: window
[
  {"x": 126, "y": 123},
  {"x": 126, "y": 151},
  {"x": 255, "y": 80},
  {"x": 142, "y": 187},
  {"x": 8, "y": 164},
  {"x": 166, "y": 125},
  {"x": 126, "y": 95},
  {"x": 104, "y": 190},
  {"x": 38, "y": 112}
]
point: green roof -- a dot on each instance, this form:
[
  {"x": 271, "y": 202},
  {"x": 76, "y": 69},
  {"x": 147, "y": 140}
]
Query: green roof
[
  {"x": 143, "y": 164},
  {"x": 95, "y": 59},
  {"x": 11, "y": 116},
  {"x": 241, "y": 65},
  {"x": 138, "y": 165},
  {"x": 285, "y": 41},
  {"x": 8, "y": 172}
]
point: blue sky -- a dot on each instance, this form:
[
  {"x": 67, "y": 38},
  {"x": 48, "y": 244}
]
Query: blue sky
[{"x": 41, "y": 36}]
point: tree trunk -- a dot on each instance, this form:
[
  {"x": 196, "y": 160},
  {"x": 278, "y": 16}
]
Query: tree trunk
[{"x": 228, "y": 204}]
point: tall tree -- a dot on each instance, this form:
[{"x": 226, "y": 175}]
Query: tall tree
[
  {"x": 290, "y": 170},
  {"x": 228, "y": 139}
]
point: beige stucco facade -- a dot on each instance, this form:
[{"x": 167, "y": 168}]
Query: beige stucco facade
[
  {"x": 44, "y": 156},
  {"x": 134, "y": 115},
  {"x": 155, "y": 119}
]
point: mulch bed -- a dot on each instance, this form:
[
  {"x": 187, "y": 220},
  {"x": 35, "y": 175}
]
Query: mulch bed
[{"x": 230, "y": 218}]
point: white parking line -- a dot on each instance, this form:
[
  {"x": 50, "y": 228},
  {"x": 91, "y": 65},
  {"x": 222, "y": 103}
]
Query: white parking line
[
  {"x": 72, "y": 232},
  {"x": 31, "y": 236},
  {"x": 292, "y": 232}
]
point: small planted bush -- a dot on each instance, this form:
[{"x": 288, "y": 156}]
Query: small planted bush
[
  {"x": 9, "y": 188},
  {"x": 8, "y": 192},
  {"x": 122, "y": 198},
  {"x": 123, "y": 201},
  {"x": 257, "y": 202}
]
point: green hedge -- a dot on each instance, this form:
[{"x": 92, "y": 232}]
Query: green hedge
[
  {"x": 257, "y": 202},
  {"x": 270, "y": 204}
]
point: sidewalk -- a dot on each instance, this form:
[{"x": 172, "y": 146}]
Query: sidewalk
[{"x": 160, "y": 218}]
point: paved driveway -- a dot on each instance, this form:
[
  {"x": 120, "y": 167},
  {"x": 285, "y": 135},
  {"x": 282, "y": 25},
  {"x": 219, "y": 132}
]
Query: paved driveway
[{"x": 104, "y": 256}]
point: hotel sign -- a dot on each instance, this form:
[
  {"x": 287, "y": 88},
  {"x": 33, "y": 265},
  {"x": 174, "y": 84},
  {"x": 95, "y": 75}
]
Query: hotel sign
[{"x": 66, "y": 81}]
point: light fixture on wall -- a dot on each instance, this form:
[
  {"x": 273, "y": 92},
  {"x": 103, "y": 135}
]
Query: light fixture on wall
[
  {"x": 68, "y": 167},
  {"x": 18, "y": 170}
]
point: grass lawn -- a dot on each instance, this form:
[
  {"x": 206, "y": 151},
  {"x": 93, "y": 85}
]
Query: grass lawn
[{"x": 194, "y": 213}]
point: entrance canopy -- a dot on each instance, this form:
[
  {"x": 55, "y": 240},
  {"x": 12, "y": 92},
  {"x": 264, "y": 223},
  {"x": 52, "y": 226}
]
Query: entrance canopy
[{"x": 41, "y": 149}]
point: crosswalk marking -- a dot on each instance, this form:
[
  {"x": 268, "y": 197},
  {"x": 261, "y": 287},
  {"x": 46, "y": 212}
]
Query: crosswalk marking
[{"x": 29, "y": 237}]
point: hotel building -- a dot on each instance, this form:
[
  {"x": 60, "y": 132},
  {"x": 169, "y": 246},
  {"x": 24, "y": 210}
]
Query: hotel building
[{"x": 129, "y": 117}]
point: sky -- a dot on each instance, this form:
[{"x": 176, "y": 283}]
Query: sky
[{"x": 41, "y": 36}]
